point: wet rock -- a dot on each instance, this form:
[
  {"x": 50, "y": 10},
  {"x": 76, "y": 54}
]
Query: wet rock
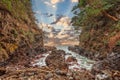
[
  {"x": 107, "y": 67},
  {"x": 59, "y": 72},
  {"x": 74, "y": 49},
  {"x": 2, "y": 72},
  {"x": 50, "y": 48},
  {"x": 102, "y": 77},
  {"x": 56, "y": 60},
  {"x": 82, "y": 52},
  {"x": 111, "y": 63},
  {"x": 71, "y": 59},
  {"x": 40, "y": 49}
]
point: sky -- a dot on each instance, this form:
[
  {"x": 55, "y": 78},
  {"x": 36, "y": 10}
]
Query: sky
[{"x": 55, "y": 13}]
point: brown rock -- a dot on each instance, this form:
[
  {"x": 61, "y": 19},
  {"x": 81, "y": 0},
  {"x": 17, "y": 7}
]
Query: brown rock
[
  {"x": 71, "y": 59},
  {"x": 56, "y": 60}
]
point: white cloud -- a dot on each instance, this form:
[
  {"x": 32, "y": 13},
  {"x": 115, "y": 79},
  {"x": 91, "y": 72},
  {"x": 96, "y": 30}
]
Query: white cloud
[
  {"x": 74, "y": 1},
  {"x": 49, "y": 4},
  {"x": 45, "y": 27},
  {"x": 55, "y": 1},
  {"x": 54, "y": 6},
  {"x": 61, "y": 35},
  {"x": 64, "y": 21}
]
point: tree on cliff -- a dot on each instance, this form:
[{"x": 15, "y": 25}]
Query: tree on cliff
[
  {"x": 100, "y": 23},
  {"x": 90, "y": 9}
]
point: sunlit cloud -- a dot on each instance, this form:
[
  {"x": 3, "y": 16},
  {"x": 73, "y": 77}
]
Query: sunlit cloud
[
  {"x": 62, "y": 21},
  {"x": 53, "y": 3},
  {"x": 57, "y": 12},
  {"x": 60, "y": 36},
  {"x": 56, "y": 1},
  {"x": 49, "y": 4},
  {"x": 45, "y": 27},
  {"x": 74, "y": 1}
]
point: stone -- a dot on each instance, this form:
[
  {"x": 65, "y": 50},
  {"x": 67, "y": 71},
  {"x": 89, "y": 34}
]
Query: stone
[
  {"x": 56, "y": 60},
  {"x": 49, "y": 75},
  {"x": 71, "y": 59}
]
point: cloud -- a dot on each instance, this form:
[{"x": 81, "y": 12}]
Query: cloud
[
  {"x": 62, "y": 21},
  {"x": 56, "y": 1},
  {"x": 45, "y": 27},
  {"x": 53, "y": 3},
  {"x": 49, "y": 4},
  {"x": 60, "y": 36},
  {"x": 74, "y": 1},
  {"x": 57, "y": 19}
]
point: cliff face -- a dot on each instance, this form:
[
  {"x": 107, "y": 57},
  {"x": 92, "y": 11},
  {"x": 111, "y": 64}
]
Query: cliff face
[
  {"x": 100, "y": 23},
  {"x": 17, "y": 28}
]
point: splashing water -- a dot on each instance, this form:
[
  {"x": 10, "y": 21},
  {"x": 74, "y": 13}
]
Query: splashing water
[{"x": 82, "y": 62}]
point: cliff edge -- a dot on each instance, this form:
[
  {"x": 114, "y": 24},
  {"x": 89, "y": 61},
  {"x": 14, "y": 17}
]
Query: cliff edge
[{"x": 17, "y": 28}]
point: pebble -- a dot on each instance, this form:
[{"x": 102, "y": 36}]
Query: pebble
[{"x": 49, "y": 75}]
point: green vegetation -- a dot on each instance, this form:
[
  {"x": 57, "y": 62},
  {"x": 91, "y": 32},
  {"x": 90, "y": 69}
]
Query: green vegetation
[
  {"x": 118, "y": 43},
  {"x": 17, "y": 25},
  {"x": 100, "y": 23},
  {"x": 8, "y": 4},
  {"x": 20, "y": 9},
  {"x": 91, "y": 10}
]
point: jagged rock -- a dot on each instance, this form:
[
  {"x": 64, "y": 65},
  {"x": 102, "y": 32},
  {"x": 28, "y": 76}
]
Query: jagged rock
[
  {"x": 106, "y": 67},
  {"x": 56, "y": 59},
  {"x": 71, "y": 59},
  {"x": 74, "y": 49},
  {"x": 111, "y": 62}
]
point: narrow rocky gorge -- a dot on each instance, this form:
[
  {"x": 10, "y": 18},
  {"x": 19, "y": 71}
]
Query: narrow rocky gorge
[{"x": 23, "y": 55}]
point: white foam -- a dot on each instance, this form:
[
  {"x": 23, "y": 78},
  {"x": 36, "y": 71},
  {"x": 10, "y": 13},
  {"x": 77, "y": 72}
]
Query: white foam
[
  {"x": 82, "y": 62},
  {"x": 41, "y": 62}
]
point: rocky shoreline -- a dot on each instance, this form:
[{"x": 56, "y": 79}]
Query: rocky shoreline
[
  {"x": 57, "y": 68},
  {"x": 105, "y": 68},
  {"x": 21, "y": 45}
]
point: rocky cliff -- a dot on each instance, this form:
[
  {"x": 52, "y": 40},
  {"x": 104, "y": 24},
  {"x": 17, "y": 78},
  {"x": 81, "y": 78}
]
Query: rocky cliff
[
  {"x": 17, "y": 28},
  {"x": 100, "y": 36},
  {"x": 100, "y": 24}
]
